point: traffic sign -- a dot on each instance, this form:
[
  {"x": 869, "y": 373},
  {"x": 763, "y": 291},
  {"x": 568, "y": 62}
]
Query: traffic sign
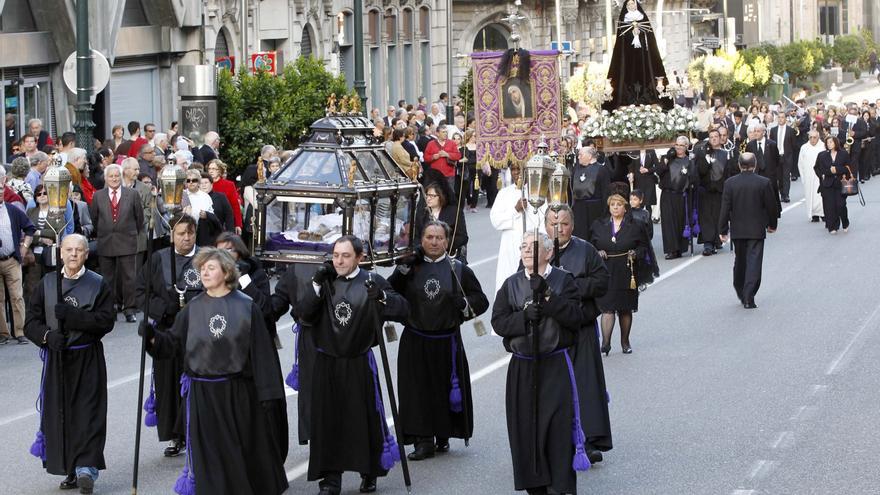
[
  {"x": 711, "y": 42},
  {"x": 100, "y": 73}
]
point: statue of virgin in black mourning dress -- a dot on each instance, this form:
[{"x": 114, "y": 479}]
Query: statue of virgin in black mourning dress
[{"x": 635, "y": 62}]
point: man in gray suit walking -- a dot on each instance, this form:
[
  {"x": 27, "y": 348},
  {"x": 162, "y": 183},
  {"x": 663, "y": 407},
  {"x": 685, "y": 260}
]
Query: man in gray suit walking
[{"x": 118, "y": 217}]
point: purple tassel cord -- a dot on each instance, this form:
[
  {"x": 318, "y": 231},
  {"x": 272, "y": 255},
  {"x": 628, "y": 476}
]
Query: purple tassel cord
[
  {"x": 580, "y": 462},
  {"x": 390, "y": 450},
  {"x": 150, "y": 419},
  {"x": 186, "y": 483},
  {"x": 38, "y": 448},
  {"x": 687, "y": 224},
  {"x": 455, "y": 403},
  {"x": 695, "y": 216},
  {"x": 292, "y": 379}
]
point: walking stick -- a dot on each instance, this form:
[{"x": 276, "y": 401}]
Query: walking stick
[
  {"x": 392, "y": 401},
  {"x": 140, "y": 401}
]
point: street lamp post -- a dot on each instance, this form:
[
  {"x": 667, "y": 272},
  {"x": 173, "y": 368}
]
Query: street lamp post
[
  {"x": 360, "y": 85},
  {"x": 450, "y": 111},
  {"x": 84, "y": 125}
]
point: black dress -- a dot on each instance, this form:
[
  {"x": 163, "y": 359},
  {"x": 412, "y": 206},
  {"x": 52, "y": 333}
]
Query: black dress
[
  {"x": 629, "y": 237},
  {"x": 633, "y": 70},
  {"x": 833, "y": 200}
]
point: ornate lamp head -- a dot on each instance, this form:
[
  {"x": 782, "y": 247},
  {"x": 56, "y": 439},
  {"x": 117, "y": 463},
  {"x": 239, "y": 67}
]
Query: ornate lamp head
[
  {"x": 57, "y": 182},
  {"x": 172, "y": 180}
]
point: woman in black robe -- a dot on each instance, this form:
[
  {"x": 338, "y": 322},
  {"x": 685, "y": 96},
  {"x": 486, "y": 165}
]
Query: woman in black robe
[
  {"x": 621, "y": 242},
  {"x": 231, "y": 384},
  {"x": 832, "y": 165},
  {"x": 635, "y": 62}
]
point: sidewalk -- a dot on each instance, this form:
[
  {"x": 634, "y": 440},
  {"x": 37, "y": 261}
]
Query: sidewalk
[{"x": 844, "y": 89}]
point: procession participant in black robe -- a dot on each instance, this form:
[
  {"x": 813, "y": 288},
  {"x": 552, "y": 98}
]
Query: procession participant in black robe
[
  {"x": 164, "y": 405},
  {"x": 581, "y": 259},
  {"x": 558, "y": 317},
  {"x": 731, "y": 152},
  {"x": 621, "y": 243},
  {"x": 643, "y": 177},
  {"x": 231, "y": 387},
  {"x": 635, "y": 62},
  {"x": 676, "y": 172},
  {"x": 590, "y": 187},
  {"x": 349, "y": 431},
  {"x": 293, "y": 282},
  {"x": 712, "y": 165},
  {"x": 433, "y": 377},
  {"x": 253, "y": 282},
  {"x": 73, "y": 386}
]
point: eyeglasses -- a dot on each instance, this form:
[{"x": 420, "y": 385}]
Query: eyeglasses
[
  {"x": 43, "y": 193},
  {"x": 150, "y": 130},
  {"x": 432, "y": 195},
  {"x": 191, "y": 181}
]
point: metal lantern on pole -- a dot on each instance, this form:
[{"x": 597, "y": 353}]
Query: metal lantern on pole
[
  {"x": 538, "y": 171},
  {"x": 57, "y": 182},
  {"x": 559, "y": 181},
  {"x": 172, "y": 180}
]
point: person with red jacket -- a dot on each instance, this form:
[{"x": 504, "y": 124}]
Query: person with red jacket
[
  {"x": 217, "y": 171},
  {"x": 442, "y": 153}
]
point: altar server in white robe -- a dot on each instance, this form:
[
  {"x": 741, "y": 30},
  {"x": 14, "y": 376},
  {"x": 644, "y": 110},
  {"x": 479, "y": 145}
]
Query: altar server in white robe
[{"x": 806, "y": 160}]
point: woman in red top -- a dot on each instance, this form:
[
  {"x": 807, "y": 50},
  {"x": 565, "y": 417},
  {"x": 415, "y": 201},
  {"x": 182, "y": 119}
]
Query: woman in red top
[
  {"x": 442, "y": 153},
  {"x": 217, "y": 171}
]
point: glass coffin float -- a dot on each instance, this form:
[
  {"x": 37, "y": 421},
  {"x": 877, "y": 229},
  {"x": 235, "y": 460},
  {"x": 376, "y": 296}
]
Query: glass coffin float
[{"x": 340, "y": 181}]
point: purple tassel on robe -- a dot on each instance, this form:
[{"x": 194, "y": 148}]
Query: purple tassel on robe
[
  {"x": 38, "y": 448},
  {"x": 292, "y": 379},
  {"x": 580, "y": 461},
  {"x": 150, "y": 420},
  {"x": 390, "y": 449},
  {"x": 455, "y": 393},
  {"x": 186, "y": 483}
]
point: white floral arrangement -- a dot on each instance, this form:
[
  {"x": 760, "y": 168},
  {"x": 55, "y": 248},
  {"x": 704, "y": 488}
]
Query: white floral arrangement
[{"x": 640, "y": 123}]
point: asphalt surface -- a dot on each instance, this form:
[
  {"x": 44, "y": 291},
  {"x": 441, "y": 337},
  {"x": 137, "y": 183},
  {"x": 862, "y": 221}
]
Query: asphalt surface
[{"x": 715, "y": 399}]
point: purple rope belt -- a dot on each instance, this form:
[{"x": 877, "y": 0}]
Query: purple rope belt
[
  {"x": 580, "y": 461},
  {"x": 691, "y": 216},
  {"x": 38, "y": 448},
  {"x": 292, "y": 379},
  {"x": 186, "y": 483},
  {"x": 455, "y": 402}
]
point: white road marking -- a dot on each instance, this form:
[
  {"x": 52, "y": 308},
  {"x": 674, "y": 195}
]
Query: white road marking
[
  {"x": 835, "y": 364},
  {"x": 760, "y": 469}
]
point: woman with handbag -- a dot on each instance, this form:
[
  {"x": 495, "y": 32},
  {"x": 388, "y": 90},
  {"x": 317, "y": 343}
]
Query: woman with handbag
[{"x": 833, "y": 168}]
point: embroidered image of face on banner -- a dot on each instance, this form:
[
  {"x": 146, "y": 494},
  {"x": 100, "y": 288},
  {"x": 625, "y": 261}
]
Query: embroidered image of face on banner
[{"x": 515, "y": 110}]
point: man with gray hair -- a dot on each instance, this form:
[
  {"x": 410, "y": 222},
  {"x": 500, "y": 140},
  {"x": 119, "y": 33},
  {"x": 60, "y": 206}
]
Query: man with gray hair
[
  {"x": 38, "y": 163},
  {"x": 556, "y": 317},
  {"x": 591, "y": 186},
  {"x": 13, "y": 246},
  {"x": 208, "y": 151},
  {"x": 767, "y": 156},
  {"x": 249, "y": 176},
  {"x": 35, "y": 129},
  {"x": 145, "y": 161},
  {"x": 677, "y": 173},
  {"x": 160, "y": 142}
]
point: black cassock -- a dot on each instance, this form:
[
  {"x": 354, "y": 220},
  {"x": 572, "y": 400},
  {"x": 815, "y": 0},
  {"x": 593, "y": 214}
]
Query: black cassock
[
  {"x": 347, "y": 432},
  {"x": 235, "y": 387},
  {"x": 676, "y": 177},
  {"x": 557, "y": 335},
  {"x": 590, "y": 188},
  {"x": 74, "y": 419},
  {"x": 293, "y": 283},
  {"x": 633, "y": 70},
  {"x": 425, "y": 360},
  {"x": 582, "y": 260},
  {"x": 164, "y": 306},
  {"x": 713, "y": 170}
]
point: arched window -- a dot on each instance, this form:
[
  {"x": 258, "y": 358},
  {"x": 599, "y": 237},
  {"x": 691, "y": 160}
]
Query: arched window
[
  {"x": 221, "y": 47},
  {"x": 492, "y": 38},
  {"x": 305, "y": 44},
  {"x": 345, "y": 36}
]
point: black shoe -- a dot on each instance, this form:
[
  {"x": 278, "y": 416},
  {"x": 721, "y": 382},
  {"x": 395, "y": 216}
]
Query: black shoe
[
  {"x": 22, "y": 340},
  {"x": 673, "y": 256},
  {"x": 86, "y": 484},
  {"x": 69, "y": 483},
  {"x": 442, "y": 445},
  {"x": 175, "y": 449},
  {"x": 750, "y": 305},
  {"x": 423, "y": 451},
  {"x": 794, "y": 179},
  {"x": 627, "y": 350},
  {"x": 130, "y": 319},
  {"x": 708, "y": 252},
  {"x": 606, "y": 349},
  {"x": 4, "y": 340},
  {"x": 594, "y": 456},
  {"x": 368, "y": 484},
  {"x": 814, "y": 220},
  {"x": 786, "y": 199}
]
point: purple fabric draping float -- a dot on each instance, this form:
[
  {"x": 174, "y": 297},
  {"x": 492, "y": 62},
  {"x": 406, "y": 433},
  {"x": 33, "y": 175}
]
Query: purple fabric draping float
[{"x": 512, "y": 115}]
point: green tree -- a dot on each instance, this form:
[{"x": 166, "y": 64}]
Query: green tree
[
  {"x": 466, "y": 90},
  {"x": 797, "y": 60},
  {"x": 870, "y": 46},
  {"x": 847, "y": 51},
  {"x": 259, "y": 109}
]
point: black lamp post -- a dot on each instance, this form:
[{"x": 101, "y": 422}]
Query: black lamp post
[
  {"x": 84, "y": 125},
  {"x": 360, "y": 85}
]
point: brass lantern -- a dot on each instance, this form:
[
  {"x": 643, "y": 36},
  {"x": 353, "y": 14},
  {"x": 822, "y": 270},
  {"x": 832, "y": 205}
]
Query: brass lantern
[
  {"x": 57, "y": 182},
  {"x": 539, "y": 168},
  {"x": 172, "y": 180},
  {"x": 559, "y": 180}
]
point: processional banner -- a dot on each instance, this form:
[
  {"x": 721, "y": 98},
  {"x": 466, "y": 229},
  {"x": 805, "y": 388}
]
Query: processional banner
[{"x": 515, "y": 107}]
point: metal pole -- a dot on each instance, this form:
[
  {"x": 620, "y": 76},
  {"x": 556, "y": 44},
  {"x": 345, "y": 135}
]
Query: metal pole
[
  {"x": 450, "y": 111},
  {"x": 244, "y": 55},
  {"x": 84, "y": 125},
  {"x": 559, "y": 34},
  {"x": 360, "y": 85},
  {"x": 609, "y": 29}
]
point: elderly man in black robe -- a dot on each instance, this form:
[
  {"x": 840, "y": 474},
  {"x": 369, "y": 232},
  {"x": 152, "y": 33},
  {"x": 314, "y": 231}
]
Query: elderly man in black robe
[
  {"x": 712, "y": 167},
  {"x": 544, "y": 459},
  {"x": 73, "y": 386},
  {"x": 590, "y": 188},
  {"x": 582, "y": 260},
  {"x": 346, "y": 308},
  {"x": 433, "y": 376},
  {"x": 677, "y": 174},
  {"x": 164, "y": 406}
]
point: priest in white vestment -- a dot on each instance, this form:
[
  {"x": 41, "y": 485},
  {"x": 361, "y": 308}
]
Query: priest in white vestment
[{"x": 806, "y": 161}]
